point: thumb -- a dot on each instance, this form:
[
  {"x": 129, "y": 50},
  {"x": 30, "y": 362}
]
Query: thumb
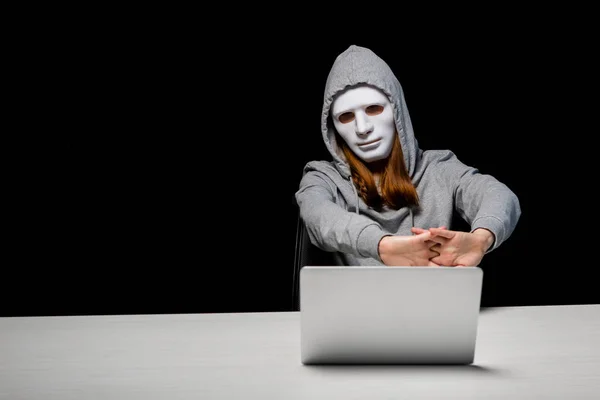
[
  {"x": 442, "y": 232},
  {"x": 424, "y": 236}
]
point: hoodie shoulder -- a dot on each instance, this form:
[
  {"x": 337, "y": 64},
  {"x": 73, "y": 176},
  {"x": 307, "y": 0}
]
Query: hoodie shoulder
[
  {"x": 437, "y": 156},
  {"x": 433, "y": 161},
  {"x": 325, "y": 167}
]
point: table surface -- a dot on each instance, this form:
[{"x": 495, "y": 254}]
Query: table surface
[{"x": 521, "y": 353}]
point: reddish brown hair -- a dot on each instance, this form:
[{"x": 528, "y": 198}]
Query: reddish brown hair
[{"x": 397, "y": 189}]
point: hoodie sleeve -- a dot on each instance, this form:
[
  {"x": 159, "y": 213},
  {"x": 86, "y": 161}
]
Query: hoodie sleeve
[
  {"x": 330, "y": 226},
  {"x": 480, "y": 199}
]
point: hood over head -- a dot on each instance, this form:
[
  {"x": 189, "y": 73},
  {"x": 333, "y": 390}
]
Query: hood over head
[{"x": 359, "y": 65}]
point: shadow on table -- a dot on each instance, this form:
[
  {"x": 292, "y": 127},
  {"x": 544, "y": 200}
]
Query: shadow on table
[
  {"x": 488, "y": 310},
  {"x": 471, "y": 369}
]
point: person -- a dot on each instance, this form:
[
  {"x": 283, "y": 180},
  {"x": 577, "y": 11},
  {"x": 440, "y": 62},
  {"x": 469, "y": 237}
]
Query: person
[{"x": 382, "y": 200}]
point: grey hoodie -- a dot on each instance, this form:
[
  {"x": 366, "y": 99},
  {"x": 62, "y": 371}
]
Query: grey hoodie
[{"x": 338, "y": 220}]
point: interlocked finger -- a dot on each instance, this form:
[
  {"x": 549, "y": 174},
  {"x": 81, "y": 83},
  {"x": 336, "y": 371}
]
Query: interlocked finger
[
  {"x": 433, "y": 254},
  {"x": 439, "y": 239}
]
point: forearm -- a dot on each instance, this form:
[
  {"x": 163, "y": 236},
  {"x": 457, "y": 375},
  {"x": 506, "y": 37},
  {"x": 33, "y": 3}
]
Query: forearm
[
  {"x": 333, "y": 228},
  {"x": 482, "y": 200},
  {"x": 495, "y": 209}
]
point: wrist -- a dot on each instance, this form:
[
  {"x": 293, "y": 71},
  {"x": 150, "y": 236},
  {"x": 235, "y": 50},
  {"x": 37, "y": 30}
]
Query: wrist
[
  {"x": 382, "y": 247},
  {"x": 486, "y": 236}
]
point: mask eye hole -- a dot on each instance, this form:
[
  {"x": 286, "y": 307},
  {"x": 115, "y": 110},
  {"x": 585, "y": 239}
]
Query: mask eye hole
[
  {"x": 346, "y": 117},
  {"x": 374, "y": 109}
]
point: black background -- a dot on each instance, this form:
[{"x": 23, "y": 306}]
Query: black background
[{"x": 166, "y": 182}]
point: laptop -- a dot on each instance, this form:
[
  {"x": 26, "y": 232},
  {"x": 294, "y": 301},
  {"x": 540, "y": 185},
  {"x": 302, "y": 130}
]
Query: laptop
[{"x": 389, "y": 315}]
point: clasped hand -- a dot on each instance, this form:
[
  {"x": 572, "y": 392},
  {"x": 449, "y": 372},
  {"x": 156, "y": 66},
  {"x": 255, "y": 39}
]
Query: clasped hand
[{"x": 436, "y": 247}]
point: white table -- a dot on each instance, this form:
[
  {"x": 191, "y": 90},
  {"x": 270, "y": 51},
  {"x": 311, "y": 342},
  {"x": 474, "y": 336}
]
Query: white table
[{"x": 522, "y": 353}]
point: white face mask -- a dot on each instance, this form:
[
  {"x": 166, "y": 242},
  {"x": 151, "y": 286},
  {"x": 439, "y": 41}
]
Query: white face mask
[{"x": 364, "y": 119}]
